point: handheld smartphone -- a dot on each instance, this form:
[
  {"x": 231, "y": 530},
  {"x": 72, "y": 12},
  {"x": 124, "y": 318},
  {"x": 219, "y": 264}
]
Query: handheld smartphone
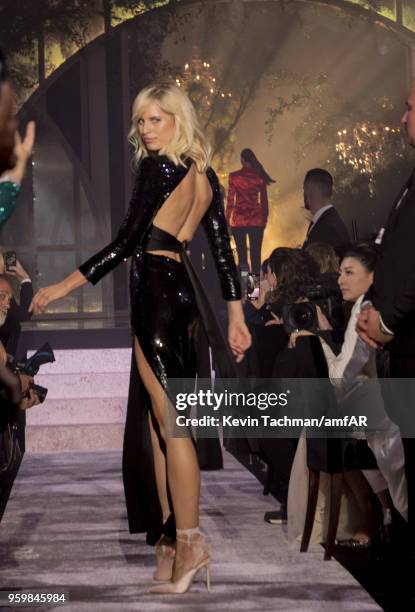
[
  {"x": 253, "y": 287},
  {"x": 10, "y": 259}
]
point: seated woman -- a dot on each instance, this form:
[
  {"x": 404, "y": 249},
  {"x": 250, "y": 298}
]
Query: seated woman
[{"x": 356, "y": 360}]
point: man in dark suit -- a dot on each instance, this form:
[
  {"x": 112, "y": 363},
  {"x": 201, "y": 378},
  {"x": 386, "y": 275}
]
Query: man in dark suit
[
  {"x": 326, "y": 224},
  {"x": 389, "y": 320}
]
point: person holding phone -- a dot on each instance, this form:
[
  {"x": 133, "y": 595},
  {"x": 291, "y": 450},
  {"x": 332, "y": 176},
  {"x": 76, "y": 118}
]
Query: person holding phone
[{"x": 18, "y": 312}]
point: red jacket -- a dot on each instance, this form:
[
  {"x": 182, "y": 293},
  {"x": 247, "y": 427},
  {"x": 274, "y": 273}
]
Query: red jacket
[{"x": 247, "y": 203}]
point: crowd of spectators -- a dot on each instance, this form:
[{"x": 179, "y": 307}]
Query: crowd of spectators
[{"x": 334, "y": 278}]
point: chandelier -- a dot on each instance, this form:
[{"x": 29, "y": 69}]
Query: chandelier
[
  {"x": 364, "y": 147},
  {"x": 199, "y": 80}
]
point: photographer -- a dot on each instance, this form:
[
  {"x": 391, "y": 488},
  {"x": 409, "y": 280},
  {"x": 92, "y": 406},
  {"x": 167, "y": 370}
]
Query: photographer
[
  {"x": 327, "y": 293},
  {"x": 288, "y": 271},
  {"x": 14, "y": 388}
]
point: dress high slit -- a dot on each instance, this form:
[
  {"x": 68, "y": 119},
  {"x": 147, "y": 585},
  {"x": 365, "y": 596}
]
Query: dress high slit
[{"x": 169, "y": 310}]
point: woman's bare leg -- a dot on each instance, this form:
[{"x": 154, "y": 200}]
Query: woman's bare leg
[
  {"x": 182, "y": 465},
  {"x": 160, "y": 472},
  {"x": 361, "y": 492}
]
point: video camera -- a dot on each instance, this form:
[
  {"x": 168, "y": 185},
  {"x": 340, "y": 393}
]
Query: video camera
[
  {"x": 303, "y": 315},
  {"x": 31, "y": 367}
]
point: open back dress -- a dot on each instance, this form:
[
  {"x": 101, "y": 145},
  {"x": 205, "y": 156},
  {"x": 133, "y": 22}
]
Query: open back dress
[{"x": 168, "y": 302}]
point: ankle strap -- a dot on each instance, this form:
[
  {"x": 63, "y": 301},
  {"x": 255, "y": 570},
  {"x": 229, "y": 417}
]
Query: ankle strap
[{"x": 187, "y": 535}]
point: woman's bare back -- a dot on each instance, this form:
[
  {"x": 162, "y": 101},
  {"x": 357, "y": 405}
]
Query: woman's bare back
[{"x": 182, "y": 212}]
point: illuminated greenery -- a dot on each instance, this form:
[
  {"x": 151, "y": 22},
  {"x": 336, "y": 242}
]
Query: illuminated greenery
[
  {"x": 409, "y": 15},
  {"x": 28, "y": 28},
  {"x": 40, "y": 35}
]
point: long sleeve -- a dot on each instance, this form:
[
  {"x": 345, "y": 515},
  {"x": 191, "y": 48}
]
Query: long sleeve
[
  {"x": 230, "y": 201},
  {"x": 141, "y": 211},
  {"x": 26, "y": 296},
  {"x": 17, "y": 314},
  {"x": 394, "y": 311},
  {"x": 217, "y": 234},
  {"x": 393, "y": 290},
  {"x": 8, "y": 196}
]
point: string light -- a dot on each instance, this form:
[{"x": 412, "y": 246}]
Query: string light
[{"x": 363, "y": 147}]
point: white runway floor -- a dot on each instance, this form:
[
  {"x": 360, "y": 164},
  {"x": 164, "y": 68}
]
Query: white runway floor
[{"x": 65, "y": 528}]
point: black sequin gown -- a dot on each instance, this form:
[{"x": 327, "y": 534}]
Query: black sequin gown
[{"x": 168, "y": 303}]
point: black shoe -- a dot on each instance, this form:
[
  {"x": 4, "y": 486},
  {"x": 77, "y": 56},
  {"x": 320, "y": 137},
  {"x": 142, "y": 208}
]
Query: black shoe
[
  {"x": 353, "y": 543},
  {"x": 277, "y": 517}
]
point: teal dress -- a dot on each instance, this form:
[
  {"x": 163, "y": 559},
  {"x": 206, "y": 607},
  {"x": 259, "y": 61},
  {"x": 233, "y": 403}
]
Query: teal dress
[{"x": 8, "y": 196}]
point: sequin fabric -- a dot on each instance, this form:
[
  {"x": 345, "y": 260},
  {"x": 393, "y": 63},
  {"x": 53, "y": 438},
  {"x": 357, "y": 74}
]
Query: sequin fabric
[
  {"x": 8, "y": 196},
  {"x": 166, "y": 296},
  {"x": 156, "y": 180}
]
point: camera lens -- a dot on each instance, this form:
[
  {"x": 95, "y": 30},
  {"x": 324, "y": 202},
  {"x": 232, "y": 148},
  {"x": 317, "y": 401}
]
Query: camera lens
[{"x": 301, "y": 315}]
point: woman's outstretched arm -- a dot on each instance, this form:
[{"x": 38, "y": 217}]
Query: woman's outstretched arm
[
  {"x": 139, "y": 216},
  {"x": 57, "y": 291}
]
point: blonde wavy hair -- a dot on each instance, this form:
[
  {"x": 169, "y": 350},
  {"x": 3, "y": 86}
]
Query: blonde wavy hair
[{"x": 188, "y": 139}]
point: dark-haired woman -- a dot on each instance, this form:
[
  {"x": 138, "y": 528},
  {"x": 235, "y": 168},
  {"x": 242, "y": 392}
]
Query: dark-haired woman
[
  {"x": 247, "y": 208},
  {"x": 356, "y": 362}
]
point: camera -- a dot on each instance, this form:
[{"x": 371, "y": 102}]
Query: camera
[
  {"x": 10, "y": 259},
  {"x": 300, "y": 316},
  {"x": 31, "y": 367},
  {"x": 325, "y": 295},
  {"x": 303, "y": 315}
]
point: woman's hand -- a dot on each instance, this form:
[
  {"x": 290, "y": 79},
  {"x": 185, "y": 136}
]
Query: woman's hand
[
  {"x": 46, "y": 295},
  {"x": 18, "y": 272},
  {"x": 23, "y": 149},
  {"x": 263, "y": 289},
  {"x": 31, "y": 400},
  {"x": 239, "y": 338},
  {"x": 295, "y": 335},
  {"x": 274, "y": 321},
  {"x": 323, "y": 322},
  {"x": 3, "y": 354}
]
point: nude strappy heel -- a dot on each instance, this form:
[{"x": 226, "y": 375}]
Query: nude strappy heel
[
  {"x": 165, "y": 554},
  {"x": 201, "y": 559}
]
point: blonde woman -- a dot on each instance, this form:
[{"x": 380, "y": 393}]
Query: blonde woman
[{"x": 175, "y": 191}]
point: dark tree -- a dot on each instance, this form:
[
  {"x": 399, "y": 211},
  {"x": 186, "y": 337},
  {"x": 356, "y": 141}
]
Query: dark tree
[{"x": 26, "y": 25}]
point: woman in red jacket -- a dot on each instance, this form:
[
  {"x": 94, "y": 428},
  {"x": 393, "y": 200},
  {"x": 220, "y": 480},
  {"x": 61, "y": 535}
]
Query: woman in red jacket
[{"x": 247, "y": 208}]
